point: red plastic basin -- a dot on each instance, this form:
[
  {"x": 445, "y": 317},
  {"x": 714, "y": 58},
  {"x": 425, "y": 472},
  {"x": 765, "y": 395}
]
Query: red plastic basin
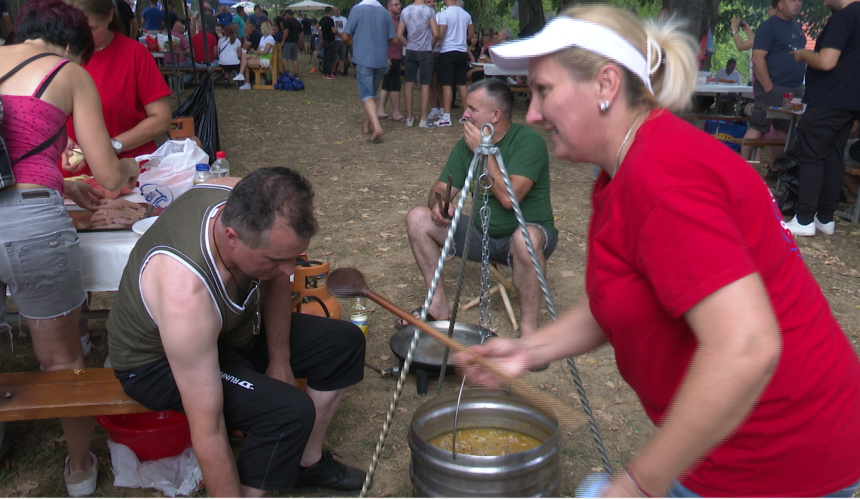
[{"x": 151, "y": 435}]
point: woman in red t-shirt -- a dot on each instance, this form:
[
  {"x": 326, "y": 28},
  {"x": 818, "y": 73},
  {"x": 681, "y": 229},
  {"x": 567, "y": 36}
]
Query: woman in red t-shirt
[
  {"x": 692, "y": 277},
  {"x": 133, "y": 93}
]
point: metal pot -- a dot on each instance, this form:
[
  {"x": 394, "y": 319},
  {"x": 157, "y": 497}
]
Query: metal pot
[{"x": 435, "y": 473}]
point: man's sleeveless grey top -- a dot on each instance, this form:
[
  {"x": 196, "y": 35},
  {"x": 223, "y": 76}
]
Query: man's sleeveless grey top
[{"x": 182, "y": 233}]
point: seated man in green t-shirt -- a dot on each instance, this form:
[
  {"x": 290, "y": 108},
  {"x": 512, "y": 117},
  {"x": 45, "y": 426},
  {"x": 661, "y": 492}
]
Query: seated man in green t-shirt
[{"x": 526, "y": 158}]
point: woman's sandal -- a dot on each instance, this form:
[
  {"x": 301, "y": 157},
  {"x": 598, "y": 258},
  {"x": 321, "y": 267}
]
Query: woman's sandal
[{"x": 416, "y": 312}]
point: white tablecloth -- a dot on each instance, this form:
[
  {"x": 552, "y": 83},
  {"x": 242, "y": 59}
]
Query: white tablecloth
[
  {"x": 493, "y": 70},
  {"x": 103, "y": 257},
  {"x": 722, "y": 88}
]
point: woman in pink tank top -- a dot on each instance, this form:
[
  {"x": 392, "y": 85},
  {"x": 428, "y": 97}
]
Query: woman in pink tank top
[{"x": 41, "y": 262}]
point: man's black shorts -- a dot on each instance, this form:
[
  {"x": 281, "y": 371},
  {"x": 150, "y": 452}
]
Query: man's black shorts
[
  {"x": 277, "y": 416},
  {"x": 391, "y": 81},
  {"x": 451, "y": 68}
]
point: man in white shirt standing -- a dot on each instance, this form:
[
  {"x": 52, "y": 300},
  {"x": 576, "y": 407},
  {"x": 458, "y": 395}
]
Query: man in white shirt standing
[
  {"x": 418, "y": 21},
  {"x": 339, "y": 44},
  {"x": 455, "y": 28}
]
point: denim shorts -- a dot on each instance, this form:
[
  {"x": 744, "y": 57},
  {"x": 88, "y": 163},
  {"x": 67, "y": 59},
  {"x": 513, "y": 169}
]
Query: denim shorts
[
  {"x": 369, "y": 80},
  {"x": 40, "y": 261},
  {"x": 419, "y": 61},
  {"x": 500, "y": 247}
]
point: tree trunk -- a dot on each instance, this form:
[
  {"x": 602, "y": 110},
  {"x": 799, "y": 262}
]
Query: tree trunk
[{"x": 531, "y": 17}]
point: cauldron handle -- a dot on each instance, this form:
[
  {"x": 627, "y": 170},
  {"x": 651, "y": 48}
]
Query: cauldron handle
[{"x": 456, "y": 418}]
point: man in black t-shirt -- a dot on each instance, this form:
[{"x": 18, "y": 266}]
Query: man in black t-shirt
[
  {"x": 327, "y": 31},
  {"x": 252, "y": 37},
  {"x": 292, "y": 34},
  {"x": 833, "y": 103},
  {"x": 307, "y": 24},
  {"x": 7, "y": 24}
]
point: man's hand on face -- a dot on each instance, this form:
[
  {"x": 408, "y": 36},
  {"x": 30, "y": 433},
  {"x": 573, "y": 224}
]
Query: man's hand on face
[{"x": 473, "y": 135}]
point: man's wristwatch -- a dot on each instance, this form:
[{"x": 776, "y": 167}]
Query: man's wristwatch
[
  {"x": 734, "y": 32},
  {"x": 117, "y": 145}
]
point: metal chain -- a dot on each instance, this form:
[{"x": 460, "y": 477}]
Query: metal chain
[{"x": 485, "y": 182}]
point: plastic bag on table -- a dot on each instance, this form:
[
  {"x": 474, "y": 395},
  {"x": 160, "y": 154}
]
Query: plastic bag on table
[
  {"x": 201, "y": 106},
  {"x": 172, "y": 476},
  {"x": 170, "y": 171}
]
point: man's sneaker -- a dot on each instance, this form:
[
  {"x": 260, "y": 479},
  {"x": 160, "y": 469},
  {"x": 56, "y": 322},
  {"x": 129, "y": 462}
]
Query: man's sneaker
[
  {"x": 410, "y": 121},
  {"x": 88, "y": 346},
  {"x": 434, "y": 114},
  {"x": 330, "y": 474},
  {"x": 827, "y": 229},
  {"x": 239, "y": 77},
  {"x": 329, "y": 77},
  {"x": 799, "y": 229},
  {"x": 426, "y": 124},
  {"x": 246, "y": 86},
  {"x": 443, "y": 122},
  {"x": 81, "y": 483},
  {"x": 463, "y": 119},
  {"x": 344, "y": 75},
  {"x": 313, "y": 70}
]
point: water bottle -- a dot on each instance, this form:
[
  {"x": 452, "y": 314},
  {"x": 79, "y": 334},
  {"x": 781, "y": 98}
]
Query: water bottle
[
  {"x": 203, "y": 174},
  {"x": 220, "y": 168},
  {"x": 358, "y": 314}
]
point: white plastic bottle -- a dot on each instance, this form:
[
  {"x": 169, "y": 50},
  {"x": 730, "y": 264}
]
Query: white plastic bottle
[
  {"x": 203, "y": 174},
  {"x": 220, "y": 168},
  {"x": 358, "y": 314}
]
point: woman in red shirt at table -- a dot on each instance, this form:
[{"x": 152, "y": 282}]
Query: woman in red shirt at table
[
  {"x": 692, "y": 277},
  {"x": 40, "y": 262},
  {"x": 133, "y": 93}
]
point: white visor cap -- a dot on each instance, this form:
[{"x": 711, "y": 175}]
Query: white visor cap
[{"x": 562, "y": 33}]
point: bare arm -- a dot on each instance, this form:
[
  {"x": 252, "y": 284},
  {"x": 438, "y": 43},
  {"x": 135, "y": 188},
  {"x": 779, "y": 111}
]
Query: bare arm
[
  {"x": 736, "y": 37},
  {"x": 189, "y": 325},
  {"x": 760, "y": 69},
  {"x": 92, "y": 135},
  {"x": 435, "y": 209},
  {"x": 133, "y": 28},
  {"x": 738, "y": 349},
  {"x": 401, "y": 30},
  {"x": 825, "y": 60},
  {"x": 157, "y": 122},
  {"x": 443, "y": 28},
  {"x": 574, "y": 333},
  {"x": 434, "y": 28},
  {"x": 277, "y": 316}
]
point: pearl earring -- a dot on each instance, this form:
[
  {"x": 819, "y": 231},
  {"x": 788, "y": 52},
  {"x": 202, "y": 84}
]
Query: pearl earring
[{"x": 604, "y": 106}]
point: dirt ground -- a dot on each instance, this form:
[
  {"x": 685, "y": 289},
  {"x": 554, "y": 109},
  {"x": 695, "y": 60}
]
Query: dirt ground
[{"x": 363, "y": 194}]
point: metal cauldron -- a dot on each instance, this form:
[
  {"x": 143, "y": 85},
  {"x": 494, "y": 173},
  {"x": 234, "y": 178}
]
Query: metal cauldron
[{"x": 435, "y": 473}]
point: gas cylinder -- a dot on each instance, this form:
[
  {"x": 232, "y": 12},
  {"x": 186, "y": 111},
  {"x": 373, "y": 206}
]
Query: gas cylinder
[{"x": 309, "y": 280}]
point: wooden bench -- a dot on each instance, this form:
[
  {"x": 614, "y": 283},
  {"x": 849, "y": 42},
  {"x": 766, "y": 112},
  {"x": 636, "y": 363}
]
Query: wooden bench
[
  {"x": 272, "y": 72},
  {"x": 853, "y": 213},
  {"x": 523, "y": 90},
  {"x": 63, "y": 394}
]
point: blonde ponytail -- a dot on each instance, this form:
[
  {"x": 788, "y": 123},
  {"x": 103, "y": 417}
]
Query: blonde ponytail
[{"x": 673, "y": 80}]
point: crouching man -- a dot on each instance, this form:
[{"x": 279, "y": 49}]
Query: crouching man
[{"x": 202, "y": 325}]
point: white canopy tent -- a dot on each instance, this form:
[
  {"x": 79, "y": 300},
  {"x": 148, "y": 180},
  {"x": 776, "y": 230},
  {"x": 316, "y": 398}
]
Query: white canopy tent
[{"x": 309, "y": 5}]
